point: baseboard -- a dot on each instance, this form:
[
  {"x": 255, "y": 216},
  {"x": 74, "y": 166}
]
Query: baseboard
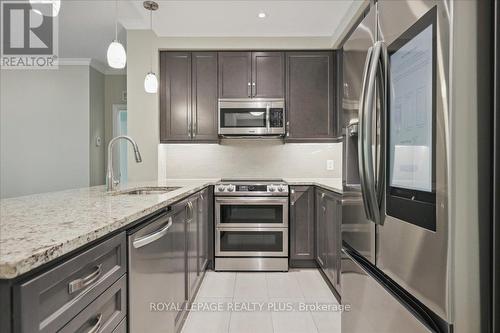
[{"x": 303, "y": 263}]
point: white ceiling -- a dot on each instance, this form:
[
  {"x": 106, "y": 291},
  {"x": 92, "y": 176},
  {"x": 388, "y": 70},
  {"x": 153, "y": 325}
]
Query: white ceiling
[
  {"x": 225, "y": 18},
  {"x": 86, "y": 27}
]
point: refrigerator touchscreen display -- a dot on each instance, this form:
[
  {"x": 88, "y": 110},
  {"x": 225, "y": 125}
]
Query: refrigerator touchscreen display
[
  {"x": 411, "y": 125},
  {"x": 410, "y": 137}
]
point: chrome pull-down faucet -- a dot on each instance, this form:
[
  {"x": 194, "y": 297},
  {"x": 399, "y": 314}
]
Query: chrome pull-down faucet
[{"x": 110, "y": 178}]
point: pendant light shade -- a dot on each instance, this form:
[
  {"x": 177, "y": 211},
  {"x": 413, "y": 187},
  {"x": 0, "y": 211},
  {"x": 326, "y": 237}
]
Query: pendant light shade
[
  {"x": 151, "y": 83},
  {"x": 56, "y": 5},
  {"x": 117, "y": 57}
]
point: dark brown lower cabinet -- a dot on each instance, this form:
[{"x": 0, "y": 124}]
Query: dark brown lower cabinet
[
  {"x": 328, "y": 236},
  {"x": 315, "y": 235},
  {"x": 301, "y": 225},
  {"x": 188, "y": 97},
  {"x": 88, "y": 291}
]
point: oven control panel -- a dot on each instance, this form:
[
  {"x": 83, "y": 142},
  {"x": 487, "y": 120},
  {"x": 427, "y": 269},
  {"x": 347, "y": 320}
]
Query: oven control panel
[{"x": 252, "y": 189}]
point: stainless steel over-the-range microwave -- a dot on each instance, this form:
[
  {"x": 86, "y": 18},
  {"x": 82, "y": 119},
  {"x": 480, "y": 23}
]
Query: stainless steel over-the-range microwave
[{"x": 252, "y": 117}]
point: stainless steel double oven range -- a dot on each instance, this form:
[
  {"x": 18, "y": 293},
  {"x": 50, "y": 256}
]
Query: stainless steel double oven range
[{"x": 251, "y": 225}]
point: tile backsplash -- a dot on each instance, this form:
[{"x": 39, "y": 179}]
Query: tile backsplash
[{"x": 249, "y": 159}]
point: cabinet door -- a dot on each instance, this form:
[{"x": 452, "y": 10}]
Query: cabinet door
[
  {"x": 192, "y": 246},
  {"x": 268, "y": 74},
  {"x": 177, "y": 257},
  {"x": 321, "y": 231},
  {"x": 331, "y": 235},
  {"x": 338, "y": 241},
  {"x": 204, "y": 96},
  {"x": 235, "y": 74},
  {"x": 310, "y": 96},
  {"x": 175, "y": 96},
  {"x": 302, "y": 223},
  {"x": 203, "y": 231}
]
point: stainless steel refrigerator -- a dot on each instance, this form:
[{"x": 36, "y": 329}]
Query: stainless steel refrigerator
[{"x": 395, "y": 227}]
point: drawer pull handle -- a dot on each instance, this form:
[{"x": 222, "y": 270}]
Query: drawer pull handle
[
  {"x": 81, "y": 283},
  {"x": 97, "y": 325},
  {"x": 145, "y": 240}
]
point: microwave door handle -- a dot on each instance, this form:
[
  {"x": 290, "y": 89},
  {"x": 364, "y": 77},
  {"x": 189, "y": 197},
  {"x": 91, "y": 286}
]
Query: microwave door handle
[
  {"x": 368, "y": 135},
  {"x": 268, "y": 118},
  {"x": 361, "y": 136}
]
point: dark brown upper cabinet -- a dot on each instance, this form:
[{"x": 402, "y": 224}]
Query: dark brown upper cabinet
[
  {"x": 268, "y": 74},
  {"x": 188, "y": 96},
  {"x": 310, "y": 96},
  {"x": 204, "y": 96},
  {"x": 175, "y": 96},
  {"x": 251, "y": 74},
  {"x": 235, "y": 74}
]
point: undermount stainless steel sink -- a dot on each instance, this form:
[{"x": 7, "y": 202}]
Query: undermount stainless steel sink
[{"x": 147, "y": 190}]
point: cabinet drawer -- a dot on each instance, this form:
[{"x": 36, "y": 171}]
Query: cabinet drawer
[
  {"x": 49, "y": 301},
  {"x": 104, "y": 314},
  {"x": 122, "y": 326}
]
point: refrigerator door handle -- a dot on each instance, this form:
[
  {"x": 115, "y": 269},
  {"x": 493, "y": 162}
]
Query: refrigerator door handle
[
  {"x": 362, "y": 138},
  {"x": 382, "y": 82},
  {"x": 370, "y": 147}
]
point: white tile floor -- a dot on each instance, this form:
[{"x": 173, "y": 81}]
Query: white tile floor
[{"x": 273, "y": 303}]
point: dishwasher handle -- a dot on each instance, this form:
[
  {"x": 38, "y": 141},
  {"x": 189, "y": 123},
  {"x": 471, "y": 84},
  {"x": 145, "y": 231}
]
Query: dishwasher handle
[{"x": 150, "y": 238}]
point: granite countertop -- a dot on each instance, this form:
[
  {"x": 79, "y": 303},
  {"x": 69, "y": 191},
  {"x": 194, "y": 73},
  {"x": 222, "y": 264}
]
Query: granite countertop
[
  {"x": 36, "y": 229},
  {"x": 331, "y": 184}
]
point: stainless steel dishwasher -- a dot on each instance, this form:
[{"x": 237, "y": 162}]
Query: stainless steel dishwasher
[{"x": 156, "y": 273}]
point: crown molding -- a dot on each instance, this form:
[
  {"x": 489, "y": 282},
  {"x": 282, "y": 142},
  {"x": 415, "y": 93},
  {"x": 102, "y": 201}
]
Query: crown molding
[
  {"x": 350, "y": 18},
  {"x": 95, "y": 64},
  {"x": 73, "y": 62}
]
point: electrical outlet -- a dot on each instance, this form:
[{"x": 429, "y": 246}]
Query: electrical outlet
[{"x": 329, "y": 165}]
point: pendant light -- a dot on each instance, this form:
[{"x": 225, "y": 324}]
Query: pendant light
[
  {"x": 151, "y": 81},
  {"x": 56, "y": 5},
  {"x": 116, "y": 55}
]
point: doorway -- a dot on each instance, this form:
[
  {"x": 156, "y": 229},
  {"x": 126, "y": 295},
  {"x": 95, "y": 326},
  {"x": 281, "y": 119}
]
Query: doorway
[{"x": 120, "y": 149}]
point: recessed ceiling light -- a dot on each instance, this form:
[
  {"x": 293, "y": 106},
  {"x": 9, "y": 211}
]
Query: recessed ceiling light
[{"x": 262, "y": 15}]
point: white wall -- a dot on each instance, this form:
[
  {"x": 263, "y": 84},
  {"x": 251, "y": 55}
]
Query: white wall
[
  {"x": 249, "y": 159},
  {"x": 114, "y": 86},
  {"x": 44, "y": 130},
  {"x": 96, "y": 158},
  {"x": 143, "y": 108}
]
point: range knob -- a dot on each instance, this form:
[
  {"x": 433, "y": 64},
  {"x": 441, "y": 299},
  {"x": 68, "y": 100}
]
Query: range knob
[
  {"x": 280, "y": 189},
  {"x": 221, "y": 188},
  {"x": 230, "y": 188},
  {"x": 271, "y": 188}
]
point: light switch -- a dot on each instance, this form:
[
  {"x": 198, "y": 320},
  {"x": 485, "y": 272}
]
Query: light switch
[
  {"x": 98, "y": 141},
  {"x": 329, "y": 165}
]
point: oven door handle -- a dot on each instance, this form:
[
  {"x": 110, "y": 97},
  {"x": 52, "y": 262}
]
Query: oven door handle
[{"x": 268, "y": 118}]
